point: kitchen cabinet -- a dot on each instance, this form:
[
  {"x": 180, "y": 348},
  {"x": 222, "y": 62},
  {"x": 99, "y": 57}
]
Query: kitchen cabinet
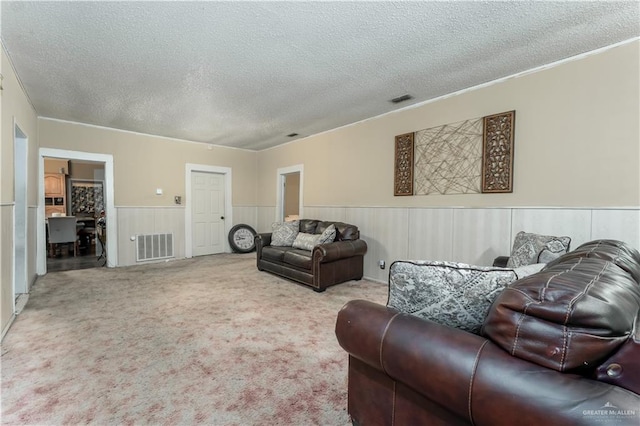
[{"x": 54, "y": 194}]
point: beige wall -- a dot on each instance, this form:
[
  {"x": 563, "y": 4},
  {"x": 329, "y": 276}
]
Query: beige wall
[
  {"x": 15, "y": 107},
  {"x": 576, "y": 142},
  {"x": 80, "y": 170},
  {"x": 143, "y": 163}
]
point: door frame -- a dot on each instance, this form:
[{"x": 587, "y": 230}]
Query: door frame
[
  {"x": 21, "y": 175},
  {"x": 110, "y": 210},
  {"x": 280, "y": 180},
  {"x": 228, "y": 208}
]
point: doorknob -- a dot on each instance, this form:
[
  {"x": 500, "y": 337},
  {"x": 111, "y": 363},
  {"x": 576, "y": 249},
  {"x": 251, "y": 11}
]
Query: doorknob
[{"x": 222, "y": 217}]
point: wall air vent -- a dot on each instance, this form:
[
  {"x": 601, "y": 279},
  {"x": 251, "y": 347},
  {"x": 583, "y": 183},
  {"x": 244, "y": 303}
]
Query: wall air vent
[
  {"x": 154, "y": 247},
  {"x": 401, "y": 99}
]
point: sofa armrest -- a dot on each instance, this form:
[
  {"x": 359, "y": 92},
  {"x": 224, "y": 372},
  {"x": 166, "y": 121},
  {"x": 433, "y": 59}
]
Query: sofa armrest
[
  {"x": 262, "y": 240},
  {"x": 472, "y": 377},
  {"x": 325, "y": 253}
]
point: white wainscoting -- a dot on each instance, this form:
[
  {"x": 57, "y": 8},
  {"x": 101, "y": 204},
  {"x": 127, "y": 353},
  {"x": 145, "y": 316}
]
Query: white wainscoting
[
  {"x": 266, "y": 217},
  {"x": 470, "y": 235},
  {"x": 573, "y": 223},
  {"x": 480, "y": 235},
  {"x": 246, "y": 215},
  {"x": 623, "y": 225},
  {"x": 133, "y": 221},
  {"x": 336, "y": 214}
]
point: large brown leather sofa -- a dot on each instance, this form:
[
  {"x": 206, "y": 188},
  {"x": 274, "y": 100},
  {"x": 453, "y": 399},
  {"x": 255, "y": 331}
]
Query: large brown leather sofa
[
  {"x": 560, "y": 347},
  {"x": 326, "y": 265}
]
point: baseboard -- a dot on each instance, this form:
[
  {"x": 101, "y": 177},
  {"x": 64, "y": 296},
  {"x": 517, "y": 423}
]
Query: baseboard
[{"x": 6, "y": 329}]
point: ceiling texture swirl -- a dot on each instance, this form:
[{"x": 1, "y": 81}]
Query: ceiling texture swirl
[{"x": 247, "y": 74}]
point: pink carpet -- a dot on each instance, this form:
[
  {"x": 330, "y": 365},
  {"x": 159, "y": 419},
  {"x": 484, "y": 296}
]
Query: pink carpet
[{"x": 209, "y": 340}]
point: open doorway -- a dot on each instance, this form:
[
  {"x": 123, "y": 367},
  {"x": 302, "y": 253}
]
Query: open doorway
[
  {"x": 291, "y": 199},
  {"x": 289, "y": 193},
  {"x": 100, "y": 176},
  {"x": 74, "y": 189}
]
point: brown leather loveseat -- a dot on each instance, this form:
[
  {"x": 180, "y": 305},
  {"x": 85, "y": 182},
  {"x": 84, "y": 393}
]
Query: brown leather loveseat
[
  {"x": 559, "y": 347},
  {"x": 324, "y": 265}
]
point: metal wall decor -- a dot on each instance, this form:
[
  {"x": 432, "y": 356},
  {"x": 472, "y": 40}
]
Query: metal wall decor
[
  {"x": 448, "y": 159},
  {"x": 469, "y": 157},
  {"x": 497, "y": 152},
  {"x": 403, "y": 181}
]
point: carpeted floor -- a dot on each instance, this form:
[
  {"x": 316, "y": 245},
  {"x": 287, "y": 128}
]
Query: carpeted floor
[{"x": 208, "y": 340}]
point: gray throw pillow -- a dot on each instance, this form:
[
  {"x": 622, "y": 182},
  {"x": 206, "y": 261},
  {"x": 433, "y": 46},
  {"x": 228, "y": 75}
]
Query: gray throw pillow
[
  {"x": 306, "y": 241},
  {"x": 453, "y": 294},
  {"x": 284, "y": 233},
  {"x": 531, "y": 248},
  {"x": 328, "y": 235}
]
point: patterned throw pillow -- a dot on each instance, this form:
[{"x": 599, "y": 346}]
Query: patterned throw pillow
[
  {"x": 328, "y": 235},
  {"x": 453, "y": 294},
  {"x": 533, "y": 248},
  {"x": 284, "y": 233},
  {"x": 305, "y": 241},
  {"x": 309, "y": 241}
]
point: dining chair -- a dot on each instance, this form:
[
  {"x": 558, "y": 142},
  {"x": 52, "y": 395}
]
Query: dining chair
[{"x": 63, "y": 230}]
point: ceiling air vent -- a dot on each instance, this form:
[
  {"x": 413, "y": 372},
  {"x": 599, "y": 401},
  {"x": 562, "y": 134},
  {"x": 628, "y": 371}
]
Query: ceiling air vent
[
  {"x": 292, "y": 135},
  {"x": 401, "y": 99}
]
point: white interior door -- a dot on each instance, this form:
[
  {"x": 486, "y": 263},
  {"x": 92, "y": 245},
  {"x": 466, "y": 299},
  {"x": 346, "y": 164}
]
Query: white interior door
[{"x": 207, "y": 215}]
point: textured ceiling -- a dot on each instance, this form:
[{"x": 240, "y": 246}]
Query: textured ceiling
[{"x": 246, "y": 74}]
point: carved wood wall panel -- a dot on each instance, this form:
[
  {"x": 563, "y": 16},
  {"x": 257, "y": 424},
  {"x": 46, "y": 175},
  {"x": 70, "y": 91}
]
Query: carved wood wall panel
[
  {"x": 497, "y": 153},
  {"x": 403, "y": 176}
]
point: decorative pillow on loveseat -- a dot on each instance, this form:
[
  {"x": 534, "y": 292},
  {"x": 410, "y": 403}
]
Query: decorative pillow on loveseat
[
  {"x": 306, "y": 241},
  {"x": 531, "y": 248},
  {"x": 454, "y": 294},
  {"x": 284, "y": 233}
]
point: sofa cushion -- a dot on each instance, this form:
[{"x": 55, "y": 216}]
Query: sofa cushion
[
  {"x": 534, "y": 248},
  {"x": 274, "y": 254},
  {"x": 298, "y": 258},
  {"x": 308, "y": 226},
  {"x": 453, "y": 294},
  {"x": 570, "y": 316},
  {"x": 284, "y": 233}
]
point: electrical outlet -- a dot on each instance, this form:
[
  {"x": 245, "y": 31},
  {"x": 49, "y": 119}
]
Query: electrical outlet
[{"x": 381, "y": 264}]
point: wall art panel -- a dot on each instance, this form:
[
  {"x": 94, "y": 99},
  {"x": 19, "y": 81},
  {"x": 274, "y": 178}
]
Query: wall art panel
[
  {"x": 497, "y": 152},
  {"x": 448, "y": 159},
  {"x": 403, "y": 184}
]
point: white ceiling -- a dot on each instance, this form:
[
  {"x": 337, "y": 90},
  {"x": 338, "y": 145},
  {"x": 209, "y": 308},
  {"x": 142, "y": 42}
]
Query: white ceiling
[{"x": 246, "y": 74}]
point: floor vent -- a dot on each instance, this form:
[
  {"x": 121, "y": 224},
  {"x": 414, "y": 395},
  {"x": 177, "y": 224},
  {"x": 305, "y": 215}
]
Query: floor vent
[{"x": 154, "y": 247}]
